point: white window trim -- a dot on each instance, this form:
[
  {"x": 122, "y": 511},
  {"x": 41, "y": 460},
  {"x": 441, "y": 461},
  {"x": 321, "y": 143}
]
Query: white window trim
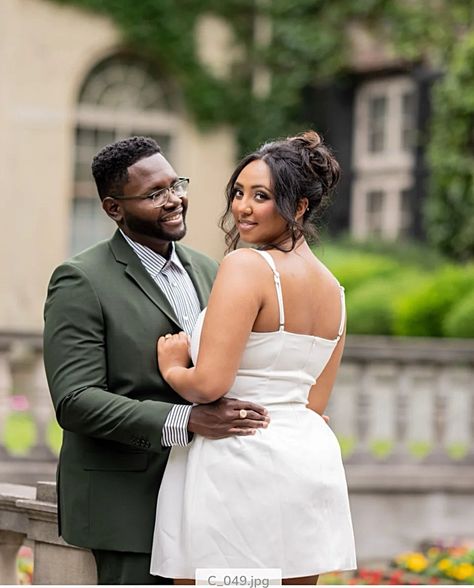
[
  {"x": 392, "y": 184},
  {"x": 393, "y": 156}
]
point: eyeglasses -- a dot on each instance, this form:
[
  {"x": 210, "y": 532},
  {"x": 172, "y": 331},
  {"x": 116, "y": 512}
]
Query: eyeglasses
[{"x": 161, "y": 197}]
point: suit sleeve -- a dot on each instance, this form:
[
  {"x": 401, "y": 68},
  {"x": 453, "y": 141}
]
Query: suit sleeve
[{"x": 76, "y": 368}]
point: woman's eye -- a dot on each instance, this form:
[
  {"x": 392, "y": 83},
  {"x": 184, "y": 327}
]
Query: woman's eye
[
  {"x": 237, "y": 193},
  {"x": 261, "y": 196}
]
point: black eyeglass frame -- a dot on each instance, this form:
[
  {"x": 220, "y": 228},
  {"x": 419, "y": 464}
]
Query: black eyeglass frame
[{"x": 154, "y": 195}]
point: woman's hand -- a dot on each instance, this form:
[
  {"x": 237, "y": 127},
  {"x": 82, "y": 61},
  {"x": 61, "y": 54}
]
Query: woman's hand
[{"x": 173, "y": 351}]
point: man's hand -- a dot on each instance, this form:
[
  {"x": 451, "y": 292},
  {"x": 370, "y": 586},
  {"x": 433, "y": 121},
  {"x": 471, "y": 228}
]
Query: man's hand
[{"x": 222, "y": 418}]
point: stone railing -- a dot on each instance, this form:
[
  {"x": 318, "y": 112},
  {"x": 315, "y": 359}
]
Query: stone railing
[
  {"x": 403, "y": 411},
  {"x": 22, "y": 376},
  {"x": 30, "y": 514},
  {"x": 404, "y": 400},
  {"x": 402, "y": 408}
]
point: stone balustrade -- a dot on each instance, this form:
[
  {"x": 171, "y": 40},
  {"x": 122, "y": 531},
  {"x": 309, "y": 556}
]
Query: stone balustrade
[
  {"x": 22, "y": 375},
  {"x": 405, "y": 400},
  {"x": 402, "y": 408},
  {"x": 30, "y": 514}
]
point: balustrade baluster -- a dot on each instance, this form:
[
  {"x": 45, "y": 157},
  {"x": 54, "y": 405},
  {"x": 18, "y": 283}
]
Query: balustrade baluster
[
  {"x": 456, "y": 384},
  {"x": 381, "y": 385},
  {"x": 41, "y": 408},
  {"x": 343, "y": 407},
  {"x": 421, "y": 399},
  {"x": 5, "y": 394}
]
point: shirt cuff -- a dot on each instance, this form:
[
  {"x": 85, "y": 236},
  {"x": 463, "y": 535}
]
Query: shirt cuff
[{"x": 175, "y": 429}]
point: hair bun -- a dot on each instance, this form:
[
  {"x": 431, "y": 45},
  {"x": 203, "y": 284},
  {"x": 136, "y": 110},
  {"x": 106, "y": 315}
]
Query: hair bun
[
  {"x": 308, "y": 139},
  {"x": 318, "y": 158}
]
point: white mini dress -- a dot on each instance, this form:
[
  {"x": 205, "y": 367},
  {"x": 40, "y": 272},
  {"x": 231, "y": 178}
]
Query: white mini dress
[{"x": 276, "y": 499}]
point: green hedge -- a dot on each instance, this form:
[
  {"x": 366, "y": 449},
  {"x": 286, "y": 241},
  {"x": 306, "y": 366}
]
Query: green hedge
[
  {"x": 356, "y": 269},
  {"x": 371, "y": 306},
  {"x": 422, "y": 313},
  {"x": 459, "y": 322},
  {"x": 388, "y": 294}
]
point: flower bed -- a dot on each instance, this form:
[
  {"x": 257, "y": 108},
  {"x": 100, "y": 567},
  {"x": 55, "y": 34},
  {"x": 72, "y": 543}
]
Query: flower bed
[{"x": 434, "y": 563}]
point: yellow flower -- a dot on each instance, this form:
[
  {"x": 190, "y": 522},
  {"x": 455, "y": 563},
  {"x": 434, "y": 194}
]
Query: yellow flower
[
  {"x": 416, "y": 562},
  {"x": 401, "y": 558},
  {"x": 433, "y": 551},
  {"x": 462, "y": 571},
  {"x": 444, "y": 564}
]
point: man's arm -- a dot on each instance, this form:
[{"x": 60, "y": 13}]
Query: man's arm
[
  {"x": 76, "y": 368},
  {"x": 75, "y": 361}
]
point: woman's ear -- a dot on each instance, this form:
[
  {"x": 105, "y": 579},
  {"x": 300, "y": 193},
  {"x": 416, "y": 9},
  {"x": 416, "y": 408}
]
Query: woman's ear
[
  {"x": 301, "y": 208},
  {"x": 112, "y": 208}
]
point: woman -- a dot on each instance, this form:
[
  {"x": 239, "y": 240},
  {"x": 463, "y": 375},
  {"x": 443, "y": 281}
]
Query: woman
[{"x": 273, "y": 333}]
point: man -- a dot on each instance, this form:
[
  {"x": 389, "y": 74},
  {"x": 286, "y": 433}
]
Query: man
[{"x": 105, "y": 310}]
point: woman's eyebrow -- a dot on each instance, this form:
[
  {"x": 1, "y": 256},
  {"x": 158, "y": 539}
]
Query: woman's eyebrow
[{"x": 254, "y": 186}]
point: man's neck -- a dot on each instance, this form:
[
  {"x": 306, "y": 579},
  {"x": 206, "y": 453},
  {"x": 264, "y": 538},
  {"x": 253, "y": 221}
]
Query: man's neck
[{"x": 163, "y": 248}]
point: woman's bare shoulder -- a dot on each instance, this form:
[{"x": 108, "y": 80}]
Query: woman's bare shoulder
[{"x": 242, "y": 258}]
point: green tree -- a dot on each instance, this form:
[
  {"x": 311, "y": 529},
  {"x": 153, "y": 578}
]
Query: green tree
[
  {"x": 308, "y": 43},
  {"x": 450, "y": 208}
]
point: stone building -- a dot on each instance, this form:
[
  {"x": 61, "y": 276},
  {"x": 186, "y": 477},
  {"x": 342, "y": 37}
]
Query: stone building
[{"x": 67, "y": 88}]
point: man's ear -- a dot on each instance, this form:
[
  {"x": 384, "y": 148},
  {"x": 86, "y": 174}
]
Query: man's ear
[
  {"x": 301, "y": 208},
  {"x": 112, "y": 208}
]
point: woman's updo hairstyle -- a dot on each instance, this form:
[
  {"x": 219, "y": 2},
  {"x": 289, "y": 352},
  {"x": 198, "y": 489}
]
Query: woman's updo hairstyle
[{"x": 300, "y": 167}]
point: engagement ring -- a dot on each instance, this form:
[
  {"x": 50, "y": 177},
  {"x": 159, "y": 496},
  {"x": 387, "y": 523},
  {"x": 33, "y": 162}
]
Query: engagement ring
[{"x": 243, "y": 413}]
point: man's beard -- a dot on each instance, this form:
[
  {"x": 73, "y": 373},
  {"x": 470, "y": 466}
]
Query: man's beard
[{"x": 154, "y": 229}]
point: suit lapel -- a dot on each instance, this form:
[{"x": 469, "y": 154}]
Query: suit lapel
[{"x": 135, "y": 271}]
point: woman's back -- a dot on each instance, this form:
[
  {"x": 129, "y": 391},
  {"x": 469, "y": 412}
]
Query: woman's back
[
  {"x": 311, "y": 295},
  {"x": 281, "y": 362}
]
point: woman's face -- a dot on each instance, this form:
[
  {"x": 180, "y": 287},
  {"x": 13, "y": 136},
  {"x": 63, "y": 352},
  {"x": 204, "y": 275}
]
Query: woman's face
[{"x": 253, "y": 206}]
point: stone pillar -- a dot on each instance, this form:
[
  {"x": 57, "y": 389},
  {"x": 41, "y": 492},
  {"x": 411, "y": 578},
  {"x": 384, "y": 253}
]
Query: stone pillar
[
  {"x": 55, "y": 562},
  {"x": 13, "y": 529},
  {"x": 421, "y": 414},
  {"x": 343, "y": 407},
  {"x": 455, "y": 389},
  {"x": 381, "y": 384},
  {"x": 41, "y": 408},
  {"x": 10, "y": 543},
  {"x": 5, "y": 393}
]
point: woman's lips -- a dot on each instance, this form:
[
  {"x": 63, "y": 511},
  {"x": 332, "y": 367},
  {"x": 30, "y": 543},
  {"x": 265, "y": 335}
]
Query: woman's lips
[{"x": 246, "y": 225}]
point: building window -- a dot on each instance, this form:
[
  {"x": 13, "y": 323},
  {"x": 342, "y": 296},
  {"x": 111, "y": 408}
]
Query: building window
[
  {"x": 375, "y": 210},
  {"x": 383, "y": 163},
  {"x": 406, "y": 220},
  {"x": 376, "y": 123},
  {"x": 121, "y": 97},
  {"x": 408, "y": 121}
]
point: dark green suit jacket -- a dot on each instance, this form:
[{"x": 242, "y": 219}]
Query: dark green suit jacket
[{"x": 103, "y": 316}]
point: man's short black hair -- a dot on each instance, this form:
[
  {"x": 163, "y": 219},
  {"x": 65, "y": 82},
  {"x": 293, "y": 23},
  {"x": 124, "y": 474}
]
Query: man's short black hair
[{"x": 110, "y": 165}]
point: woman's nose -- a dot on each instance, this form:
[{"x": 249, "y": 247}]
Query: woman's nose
[{"x": 244, "y": 207}]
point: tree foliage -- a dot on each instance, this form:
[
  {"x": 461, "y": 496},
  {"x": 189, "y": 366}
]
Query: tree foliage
[
  {"x": 450, "y": 208},
  {"x": 309, "y": 44}
]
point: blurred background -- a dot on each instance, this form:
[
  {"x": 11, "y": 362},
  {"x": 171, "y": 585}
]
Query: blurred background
[{"x": 389, "y": 84}]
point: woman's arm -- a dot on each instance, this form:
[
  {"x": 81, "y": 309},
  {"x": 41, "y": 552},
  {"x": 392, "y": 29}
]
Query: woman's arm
[
  {"x": 321, "y": 391},
  {"x": 235, "y": 301}
]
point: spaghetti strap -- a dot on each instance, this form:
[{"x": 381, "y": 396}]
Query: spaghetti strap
[
  {"x": 276, "y": 276},
  {"x": 343, "y": 312}
]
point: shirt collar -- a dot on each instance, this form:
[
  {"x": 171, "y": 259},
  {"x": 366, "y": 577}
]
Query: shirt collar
[{"x": 154, "y": 262}]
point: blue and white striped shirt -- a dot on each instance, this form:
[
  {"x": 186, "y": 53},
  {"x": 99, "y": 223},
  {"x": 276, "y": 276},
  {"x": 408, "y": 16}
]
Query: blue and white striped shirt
[{"x": 171, "y": 277}]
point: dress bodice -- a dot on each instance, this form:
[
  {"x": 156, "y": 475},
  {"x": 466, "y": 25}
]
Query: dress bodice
[{"x": 277, "y": 367}]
